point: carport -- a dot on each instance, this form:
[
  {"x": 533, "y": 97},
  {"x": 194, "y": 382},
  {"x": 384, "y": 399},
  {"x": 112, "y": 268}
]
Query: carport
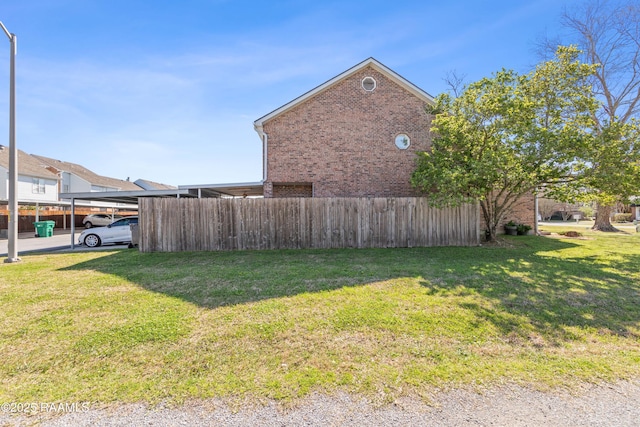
[
  {"x": 122, "y": 199},
  {"x": 242, "y": 189},
  {"x": 129, "y": 199}
]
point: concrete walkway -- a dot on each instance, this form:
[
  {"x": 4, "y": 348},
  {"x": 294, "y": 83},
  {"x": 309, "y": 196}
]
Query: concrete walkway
[{"x": 628, "y": 227}]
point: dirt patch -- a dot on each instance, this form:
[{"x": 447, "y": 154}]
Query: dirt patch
[{"x": 571, "y": 234}]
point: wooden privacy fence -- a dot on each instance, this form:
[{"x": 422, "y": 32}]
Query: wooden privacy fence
[
  {"x": 172, "y": 225},
  {"x": 25, "y": 222}
]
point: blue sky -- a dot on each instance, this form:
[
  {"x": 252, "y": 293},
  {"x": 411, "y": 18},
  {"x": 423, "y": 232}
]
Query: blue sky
[{"x": 168, "y": 90}]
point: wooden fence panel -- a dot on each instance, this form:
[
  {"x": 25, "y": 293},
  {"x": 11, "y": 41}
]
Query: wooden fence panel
[{"x": 171, "y": 225}]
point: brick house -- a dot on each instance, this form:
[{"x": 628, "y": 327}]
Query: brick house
[{"x": 355, "y": 135}]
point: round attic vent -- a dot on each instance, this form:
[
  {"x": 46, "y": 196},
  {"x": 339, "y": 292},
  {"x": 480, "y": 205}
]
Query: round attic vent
[{"x": 368, "y": 84}]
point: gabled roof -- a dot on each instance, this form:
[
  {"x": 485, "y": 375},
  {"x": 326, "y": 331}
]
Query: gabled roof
[
  {"x": 389, "y": 73},
  {"x": 150, "y": 185},
  {"x": 120, "y": 184},
  {"x": 27, "y": 165},
  {"x": 86, "y": 174}
]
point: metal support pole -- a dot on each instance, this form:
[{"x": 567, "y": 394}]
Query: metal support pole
[
  {"x": 12, "y": 253},
  {"x": 73, "y": 222}
]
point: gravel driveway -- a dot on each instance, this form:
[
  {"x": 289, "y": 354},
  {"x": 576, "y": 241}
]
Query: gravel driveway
[{"x": 603, "y": 405}]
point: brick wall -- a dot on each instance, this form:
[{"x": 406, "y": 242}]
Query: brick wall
[
  {"x": 286, "y": 190},
  {"x": 522, "y": 213},
  {"x": 342, "y": 140}
]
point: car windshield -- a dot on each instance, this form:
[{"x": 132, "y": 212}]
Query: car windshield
[{"x": 125, "y": 221}]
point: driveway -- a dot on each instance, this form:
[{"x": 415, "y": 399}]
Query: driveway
[{"x": 60, "y": 241}]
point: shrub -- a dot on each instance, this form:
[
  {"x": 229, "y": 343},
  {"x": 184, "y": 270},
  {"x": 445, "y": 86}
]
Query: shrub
[
  {"x": 622, "y": 217},
  {"x": 523, "y": 229},
  {"x": 587, "y": 211}
]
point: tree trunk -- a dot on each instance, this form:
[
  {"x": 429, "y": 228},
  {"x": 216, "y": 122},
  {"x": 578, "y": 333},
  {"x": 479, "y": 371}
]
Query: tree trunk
[
  {"x": 490, "y": 234},
  {"x": 603, "y": 219}
]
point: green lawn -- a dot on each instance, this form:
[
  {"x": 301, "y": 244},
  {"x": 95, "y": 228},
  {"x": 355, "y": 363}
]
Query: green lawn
[{"x": 121, "y": 326}]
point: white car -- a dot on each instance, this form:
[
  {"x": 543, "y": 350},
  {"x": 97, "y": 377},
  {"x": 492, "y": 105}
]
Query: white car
[
  {"x": 99, "y": 220},
  {"x": 116, "y": 232}
]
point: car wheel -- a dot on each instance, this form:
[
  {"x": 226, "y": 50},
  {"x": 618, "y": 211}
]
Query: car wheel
[
  {"x": 88, "y": 224},
  {"x": 92, "y": 241}
]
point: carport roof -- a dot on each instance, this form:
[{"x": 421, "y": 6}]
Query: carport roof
[
  {"x": 128, "y": 197},
  {"x": 238, "y": 189},
  {"x": 204, "y": 190}
]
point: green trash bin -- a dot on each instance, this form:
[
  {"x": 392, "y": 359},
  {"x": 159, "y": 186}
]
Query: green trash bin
[{"x": 44, "y": 228}]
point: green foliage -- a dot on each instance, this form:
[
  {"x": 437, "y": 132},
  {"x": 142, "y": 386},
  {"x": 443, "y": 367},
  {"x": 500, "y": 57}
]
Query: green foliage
[
  {"x": 612, "y": 170},
  {"x": 507, "y": 135},
  {"x": 623, "y": 217},
  {"x": 587, "y": 211},
  {"x": 608, "y": 34}
]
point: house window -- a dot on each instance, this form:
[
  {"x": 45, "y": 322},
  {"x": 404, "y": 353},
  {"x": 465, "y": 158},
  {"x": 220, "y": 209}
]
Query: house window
[
  {"x": 368, "y": 84},
  {"x": 38, "y": 186},
  {"x": 402, "y": 141}
]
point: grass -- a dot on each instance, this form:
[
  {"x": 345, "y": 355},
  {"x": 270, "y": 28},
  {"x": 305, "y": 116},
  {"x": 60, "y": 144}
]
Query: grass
[{"x": 121, "y": 326}]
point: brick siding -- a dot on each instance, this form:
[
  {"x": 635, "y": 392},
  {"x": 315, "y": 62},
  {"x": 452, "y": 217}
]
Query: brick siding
[
  {"x": 341, "y": 143},
  {"x": 342, "y": 140},
  {"x": 292, "y": 190},
  {"x": 522, "y": 212}
]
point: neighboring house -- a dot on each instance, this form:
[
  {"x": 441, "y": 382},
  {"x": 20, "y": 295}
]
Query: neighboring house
[
  {"x": 35, "y": 183},
  {"x": 75, "y": 178},
  {"x": 150, "y": 185},
  {"x": 355, "y": 135}
]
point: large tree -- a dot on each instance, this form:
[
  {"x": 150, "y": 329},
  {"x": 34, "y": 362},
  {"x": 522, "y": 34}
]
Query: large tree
[
  {"x": 507, "y": 135},
  {"x": 608, "y": 34}
]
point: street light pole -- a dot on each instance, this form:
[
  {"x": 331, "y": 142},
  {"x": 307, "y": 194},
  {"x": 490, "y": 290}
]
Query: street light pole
[{"x": 12, "y": 254}]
